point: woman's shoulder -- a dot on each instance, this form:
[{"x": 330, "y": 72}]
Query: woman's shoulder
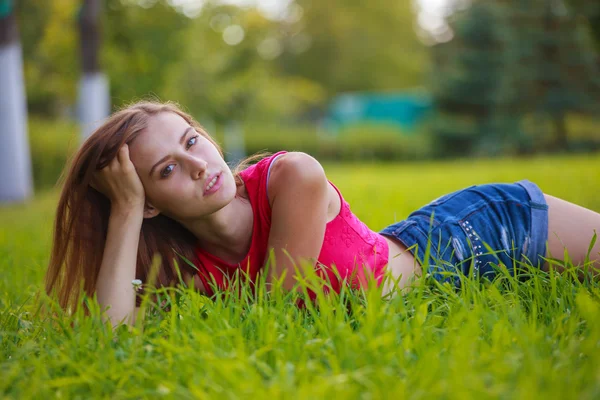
[
  {"x": 282, "y": 168},
  {"x": 295, "y": 167},
  {"x": 256, "y": 165},
  {"x": 277, "y": 171}
]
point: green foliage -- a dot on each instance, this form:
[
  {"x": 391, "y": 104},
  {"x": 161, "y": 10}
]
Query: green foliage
[
  {"x": 360, "y": 142},
  {"x": 532, "y": 339},
  {"x": 233, "y": 82},
  {"x": 357, "y": 46},
  {"x": 511, "y": 60},
  {"x": 140, "y": 44},
  {"x": 591, "y": 12},
  {"x": 281, "y": 67},
  {"x": 48, "y": 32},
  {"x": 51, "y": 144},
  {"x": 561, "y": 76},
  {"x": 466, "y": 82},
  {"x": 376, "y": 142}
]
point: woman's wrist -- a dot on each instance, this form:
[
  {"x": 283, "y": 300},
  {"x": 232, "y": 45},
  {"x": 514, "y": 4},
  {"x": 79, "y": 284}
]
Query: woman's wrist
[{"x": 127, "y": 211}]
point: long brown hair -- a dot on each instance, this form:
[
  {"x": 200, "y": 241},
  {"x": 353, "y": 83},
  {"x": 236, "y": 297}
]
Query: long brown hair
[{"x": 81, "y": 223}]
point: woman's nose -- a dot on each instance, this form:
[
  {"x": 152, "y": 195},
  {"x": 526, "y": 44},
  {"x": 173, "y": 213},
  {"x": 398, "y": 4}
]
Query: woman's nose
[{"x": 197, "y": 167}]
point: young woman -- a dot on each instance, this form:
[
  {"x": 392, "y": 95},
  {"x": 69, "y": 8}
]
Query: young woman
[{"x": 151, "y": 181}]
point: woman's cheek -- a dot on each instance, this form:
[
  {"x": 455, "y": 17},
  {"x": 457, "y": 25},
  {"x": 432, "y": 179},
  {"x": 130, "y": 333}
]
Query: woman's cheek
[
  {"x": 176, "y": 189},
  {"x": 161, "y": 192}
]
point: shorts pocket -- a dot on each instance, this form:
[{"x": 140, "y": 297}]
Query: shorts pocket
[{"x": 497, "y": 234}]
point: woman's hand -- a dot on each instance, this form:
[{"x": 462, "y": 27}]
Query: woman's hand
[{"x": 120, "y": 182}]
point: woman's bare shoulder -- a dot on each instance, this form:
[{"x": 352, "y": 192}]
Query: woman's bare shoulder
[{"x": 294, "y": 168}]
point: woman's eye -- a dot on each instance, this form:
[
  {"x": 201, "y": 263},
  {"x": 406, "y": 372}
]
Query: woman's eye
[
  {"x": 167, "y": 171},
  {"x": 191, "y": 142}
]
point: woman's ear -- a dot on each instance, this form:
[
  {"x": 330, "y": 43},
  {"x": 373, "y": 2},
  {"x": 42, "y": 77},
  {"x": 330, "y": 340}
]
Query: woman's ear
[{"x": 150, "y": 211}]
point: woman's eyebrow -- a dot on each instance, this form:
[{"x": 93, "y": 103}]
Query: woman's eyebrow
[{"x": 181, "y": 139}]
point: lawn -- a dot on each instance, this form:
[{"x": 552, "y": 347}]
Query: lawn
[{"x": 534, "y": 339}]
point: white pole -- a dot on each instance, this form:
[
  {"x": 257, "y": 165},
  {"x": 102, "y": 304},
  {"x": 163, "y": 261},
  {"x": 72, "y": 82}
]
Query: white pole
[
  {"x": 94, "y": 97},
  {"x": 94, "y": 102},
  {"x": 16, "y": 183}
]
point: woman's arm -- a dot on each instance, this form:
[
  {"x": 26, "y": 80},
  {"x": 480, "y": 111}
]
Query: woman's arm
[
  {"x": 113, "y": 287},
  {"x": 298, "y": 193},
  {"x": 120, "y": 183}
]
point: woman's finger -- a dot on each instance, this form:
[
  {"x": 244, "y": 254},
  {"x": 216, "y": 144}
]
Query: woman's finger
[{"x": 123, "y": 154}]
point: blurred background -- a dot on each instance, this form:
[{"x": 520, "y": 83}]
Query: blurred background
[{"x": 340, "y": 79}]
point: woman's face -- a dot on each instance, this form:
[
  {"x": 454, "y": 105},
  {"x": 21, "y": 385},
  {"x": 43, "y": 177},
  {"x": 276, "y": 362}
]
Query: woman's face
[{"x": 183, "y": 174}]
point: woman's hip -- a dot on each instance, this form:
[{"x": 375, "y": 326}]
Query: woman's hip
[{"x": 473, "y": 230}]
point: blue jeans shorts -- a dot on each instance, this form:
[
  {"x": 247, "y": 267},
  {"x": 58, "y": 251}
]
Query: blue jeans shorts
[{"x": 476, "y": 229}]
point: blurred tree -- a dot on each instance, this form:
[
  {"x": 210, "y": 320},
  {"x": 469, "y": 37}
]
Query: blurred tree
[
  {"x": 142, "y": 40},
  {"x": 138, "y": 45},
  {"x": 226, "y": 62},
  {"x": 94, "y": 97},
  {"x": 351, "y": 45},
  {"x": 228, "y": 73},
  {"x": 15, "y": 164},
  {"x": 49, "y": 50},
  {"x": 553, "y": 62},
  {"x": 466, "y": 83},
  {"x": 511, "y": 59},
  {"x": 225, "y": 73},
  {"x": 591, "y": 11}
]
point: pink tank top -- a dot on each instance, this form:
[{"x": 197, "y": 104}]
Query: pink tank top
[{"x": 350, "y": 252}]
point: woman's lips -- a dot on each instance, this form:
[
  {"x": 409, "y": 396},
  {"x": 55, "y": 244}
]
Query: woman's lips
[{"x": 215, "y": 186}]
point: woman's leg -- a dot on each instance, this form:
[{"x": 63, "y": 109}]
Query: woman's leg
[{"x": 572, "y": 227}]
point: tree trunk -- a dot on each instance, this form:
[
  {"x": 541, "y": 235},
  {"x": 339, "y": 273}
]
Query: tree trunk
[
  {"x": 15, "y": 159},
  {"x": 94, "y": 98}
]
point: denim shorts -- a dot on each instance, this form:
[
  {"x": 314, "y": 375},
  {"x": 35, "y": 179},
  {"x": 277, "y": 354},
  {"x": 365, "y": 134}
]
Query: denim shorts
[{"x": 475, "y": 230}]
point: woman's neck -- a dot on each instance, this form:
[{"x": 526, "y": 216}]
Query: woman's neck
[{"x": 226, "y": 233}]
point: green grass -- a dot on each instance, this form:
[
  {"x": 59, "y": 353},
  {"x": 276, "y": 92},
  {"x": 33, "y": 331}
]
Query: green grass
[{"x": 535, "y": 339}]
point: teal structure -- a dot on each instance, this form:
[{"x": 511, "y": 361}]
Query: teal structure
[
  {"x": 6, "y": 7},
  {"x": 404, "y": 110}
]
